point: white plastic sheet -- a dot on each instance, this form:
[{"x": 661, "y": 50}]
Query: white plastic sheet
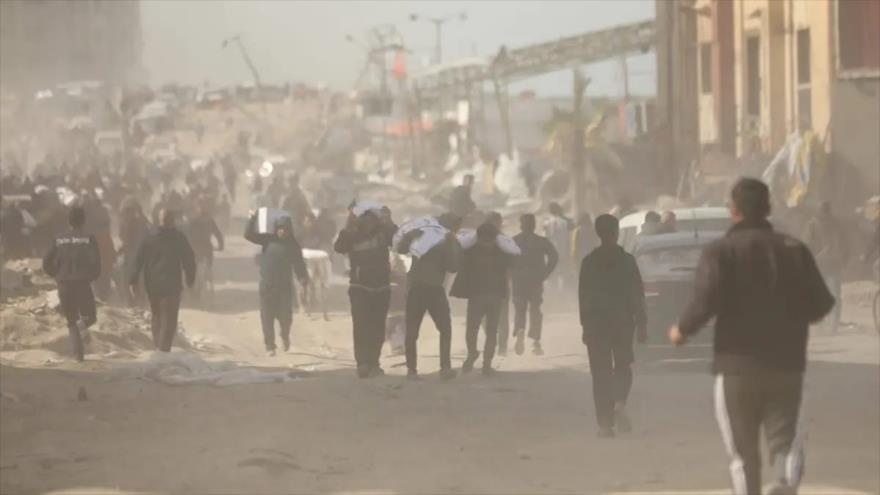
[
  {"x": 183, "y": 368},
  {"x": 468, "y": 238},
  {"x": 432, "y": 234}
]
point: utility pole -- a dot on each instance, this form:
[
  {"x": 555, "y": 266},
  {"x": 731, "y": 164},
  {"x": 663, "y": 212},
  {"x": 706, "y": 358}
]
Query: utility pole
[
  {"x": 253, "y": 68},
  {"x": 625, "y": 67},
  {"x": 578, "y": 156},
  {"x": 438, "y": 23}
]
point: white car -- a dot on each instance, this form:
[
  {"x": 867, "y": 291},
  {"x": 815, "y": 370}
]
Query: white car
[{"x": 703, "y": 219}]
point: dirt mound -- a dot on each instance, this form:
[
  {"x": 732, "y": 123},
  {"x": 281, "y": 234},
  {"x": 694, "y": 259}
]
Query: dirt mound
[{"x": 33, "y": 322}]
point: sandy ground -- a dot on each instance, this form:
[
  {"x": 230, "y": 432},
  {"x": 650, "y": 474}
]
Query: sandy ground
[{"x": 530, "y": 429}]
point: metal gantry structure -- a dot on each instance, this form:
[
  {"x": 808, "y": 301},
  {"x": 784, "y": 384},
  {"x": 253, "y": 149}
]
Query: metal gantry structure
[{"x": 510, "y": 65}]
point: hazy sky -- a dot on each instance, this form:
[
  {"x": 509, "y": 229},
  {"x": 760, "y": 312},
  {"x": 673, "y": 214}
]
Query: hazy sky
[{"x": 305, "y": 40}]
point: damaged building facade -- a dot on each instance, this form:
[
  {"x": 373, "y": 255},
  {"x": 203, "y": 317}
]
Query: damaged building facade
[
  {"x": 764, "y": 68},
  {"x": 46, "y": 42}
]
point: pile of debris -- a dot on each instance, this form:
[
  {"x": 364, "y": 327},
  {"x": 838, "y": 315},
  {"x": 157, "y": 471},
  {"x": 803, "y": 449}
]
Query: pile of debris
[{"x": 29, "y": 318}]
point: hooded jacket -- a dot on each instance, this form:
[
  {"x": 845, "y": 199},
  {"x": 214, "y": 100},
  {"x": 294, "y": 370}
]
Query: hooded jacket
[
  {"x": 279, "y": 259},
  {"x": 610, "y": 291}
]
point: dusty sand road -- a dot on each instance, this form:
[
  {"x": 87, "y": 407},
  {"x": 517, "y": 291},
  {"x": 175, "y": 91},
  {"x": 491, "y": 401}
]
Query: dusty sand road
[{"x": 531, "y": 429}]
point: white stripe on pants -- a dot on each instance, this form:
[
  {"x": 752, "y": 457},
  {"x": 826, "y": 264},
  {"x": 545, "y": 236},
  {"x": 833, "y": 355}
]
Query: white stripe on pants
[{"x": 737, "y": 471}]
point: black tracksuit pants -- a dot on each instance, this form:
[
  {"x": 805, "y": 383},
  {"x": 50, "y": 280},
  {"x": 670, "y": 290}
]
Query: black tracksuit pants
[
  {"x": 747, "y": 402},
  {"x": 164, "y": 309},
  {"x": 430, "y": 298},
  {"x": 527, "y": 299},
  {"x": 275, "y": 304},
  {"x": 478, "y": 308},
  {"x": 611, "y": 355},
  {"x": 77, "y": 303},
  {"x": 369, "y": 310}
]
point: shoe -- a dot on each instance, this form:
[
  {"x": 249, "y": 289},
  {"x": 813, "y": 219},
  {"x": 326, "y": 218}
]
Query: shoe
[
  {"x": 606, "y": 432},
  {"x": 489, "y": 371},
  {"x": 520, "y": 346},
  {"x": 468, "y": 364},
  {"x": 270, "y": 352},
  {"x": 537, "y": 350},
  {"x": 285, "y": 343},
  {"x": 781, "y": 489},
  {"x": 448, "y": 374},
  {"x": 413, "y": 375},
  {"x": 621, "y": 420},
  {"x": 363, "y": 372},
  {"x": 375, "y": 371}
]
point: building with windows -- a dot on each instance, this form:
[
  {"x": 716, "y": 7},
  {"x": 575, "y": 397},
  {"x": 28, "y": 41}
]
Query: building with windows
[
  {"x": 767, "y": 67},
  {"x": 46, "y": 42}
]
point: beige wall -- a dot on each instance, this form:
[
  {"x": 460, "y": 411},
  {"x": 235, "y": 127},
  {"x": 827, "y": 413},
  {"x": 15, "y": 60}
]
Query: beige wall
[{"x": 776, "y": 22}]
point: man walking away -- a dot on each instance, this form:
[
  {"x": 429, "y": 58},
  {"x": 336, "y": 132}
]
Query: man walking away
[
  {"x": 482, "y": 280},
  {"x": 534, "y": 266},
  {"x": 825, "y": 237},
  {"x": 75, "y": 262},
  {"x": 367, "y": 240},
  {"x": 164, "y": 257},
  {"x": 201, "y": 229},
  {"x": 281, "y": 256},
  {"x": 612, "y": 308},
  {"x": 763, "y": 289},
  {"x": 426, "y": 293}
]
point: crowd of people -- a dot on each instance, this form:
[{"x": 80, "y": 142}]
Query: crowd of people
[{"x": 762, "y": 287}]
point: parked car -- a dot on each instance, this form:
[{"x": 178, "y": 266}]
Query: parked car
[
  {"x": 703, "y": 219},
  {"x": 668, "y": 263}
]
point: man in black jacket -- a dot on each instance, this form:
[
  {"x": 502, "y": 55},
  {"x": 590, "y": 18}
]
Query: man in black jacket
[
  {"x": 612, "y": 308},
  {"x": 164, "y": 257},
  {"x": 200, "y": 230},
  {"x": 482, "y": 280},
  {"x": 764, "y": 289},
  {"x": 533, "y": 267},
  {"x": 425, "y": 292},
  {"x": 281, "y": 256},
  {"x": 366, "y": 240},
  {"x": 75, "y": 262}
]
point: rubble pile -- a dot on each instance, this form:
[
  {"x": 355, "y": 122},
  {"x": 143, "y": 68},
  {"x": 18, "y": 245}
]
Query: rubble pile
[{"x": 29, "y": 318}]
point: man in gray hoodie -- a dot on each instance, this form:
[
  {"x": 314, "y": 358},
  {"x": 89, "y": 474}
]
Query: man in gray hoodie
[{"x": 612, "y": 308}]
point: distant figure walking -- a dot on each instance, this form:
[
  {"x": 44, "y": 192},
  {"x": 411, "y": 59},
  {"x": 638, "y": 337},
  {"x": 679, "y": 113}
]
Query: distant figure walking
[
  {"x": 164, "y": 257},
  {"x": 280, "y": 258},
  {"x": 74, "y": 262},
  {"x": 763, "y": 289},
  {"x": 534, "y": 266},
  {"x": 482, "y": 280},
  {"x": 366, "y": 239},
  {"x": 426, "y": 294},
  {"x": 612, "y": 310}
]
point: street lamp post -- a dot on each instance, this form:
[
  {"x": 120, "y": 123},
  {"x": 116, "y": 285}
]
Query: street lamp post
[{"x": 438, "y": 23}]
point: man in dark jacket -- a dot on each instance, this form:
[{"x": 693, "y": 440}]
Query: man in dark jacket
[
  {"x": 534, "y": 266},
  {"x": 482, "y": 280},
  {"x": 763, "y": 289},
  {"x": 200, "y": 231},
  {"x": 612, "y": 308},
  {"x": 280, "y": 258},
  {"x": 164, "y": 257},
  {"x": 75, "y": 262},
  {"x": 426, "y": 293},
  {"x": 366, "y": 240}
]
